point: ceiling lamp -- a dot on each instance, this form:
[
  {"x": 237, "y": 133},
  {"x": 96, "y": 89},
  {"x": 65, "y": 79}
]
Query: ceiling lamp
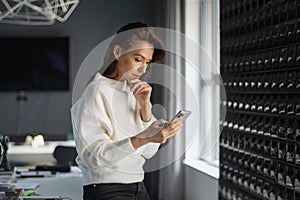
[{"x": 36, "y": 12}]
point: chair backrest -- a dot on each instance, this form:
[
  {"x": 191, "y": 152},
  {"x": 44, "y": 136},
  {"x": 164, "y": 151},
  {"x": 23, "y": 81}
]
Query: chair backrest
[{"x": 65, "y": 155}]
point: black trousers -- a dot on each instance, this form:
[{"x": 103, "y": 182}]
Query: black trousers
[{"x": 115, "y": 191}]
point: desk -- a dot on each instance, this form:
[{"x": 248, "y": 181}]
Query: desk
[
  {"x": 35, "y": 155},
  {"x": 62, "y": 184}
]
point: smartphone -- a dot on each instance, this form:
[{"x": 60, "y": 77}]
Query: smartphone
[{"x": 181, "y": 116}]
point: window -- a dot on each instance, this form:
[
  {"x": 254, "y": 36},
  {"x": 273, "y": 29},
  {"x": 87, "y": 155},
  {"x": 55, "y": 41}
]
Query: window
[{"x": 202, "y": 26}]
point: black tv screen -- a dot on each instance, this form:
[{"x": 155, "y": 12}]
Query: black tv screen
[{"x": 34, "y": 64}]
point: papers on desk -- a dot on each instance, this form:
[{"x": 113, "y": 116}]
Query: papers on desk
[
  {"x": 41, "y": 197},
  {"x": 30, "y": 172},
  {"x": 5, "y": 176},
  {"x": 25, "y": 186},
  {"x": 34, "y": 174},
  {"x": 4, "y": 187},
  {"x": 8, "y": 190},
  {"x": 20, "y": 169}
]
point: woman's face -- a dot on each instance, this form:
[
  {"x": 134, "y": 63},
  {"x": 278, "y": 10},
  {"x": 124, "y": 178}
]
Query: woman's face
[{"x": 133, "y": 62}]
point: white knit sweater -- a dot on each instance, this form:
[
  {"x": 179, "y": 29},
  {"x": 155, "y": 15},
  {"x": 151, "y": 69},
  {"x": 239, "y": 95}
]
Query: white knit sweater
[{"x": 104, "y": 118}]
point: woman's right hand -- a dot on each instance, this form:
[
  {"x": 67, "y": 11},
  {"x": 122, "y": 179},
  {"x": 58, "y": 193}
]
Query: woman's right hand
[
  {"x": 157, "y": 132},
  {"x": 165, "y": 131}
]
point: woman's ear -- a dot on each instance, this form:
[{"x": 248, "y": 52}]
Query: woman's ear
[{"x": 117, "y": 52}]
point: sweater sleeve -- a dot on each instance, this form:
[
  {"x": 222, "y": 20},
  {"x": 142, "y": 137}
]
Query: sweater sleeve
[
  {"x": 150, "y": 149},
  {"x": 93, "y": 132}
]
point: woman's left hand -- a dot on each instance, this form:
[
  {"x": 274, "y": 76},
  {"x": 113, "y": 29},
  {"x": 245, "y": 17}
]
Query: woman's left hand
[{"x": 141, "y": 91}]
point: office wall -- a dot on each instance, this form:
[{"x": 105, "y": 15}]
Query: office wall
[
  {"x": 200, "y": 186},
  {"x": 92, "y": 22}
]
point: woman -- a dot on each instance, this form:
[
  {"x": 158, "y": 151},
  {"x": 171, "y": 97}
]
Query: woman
[{"x": 113, "y": 125}]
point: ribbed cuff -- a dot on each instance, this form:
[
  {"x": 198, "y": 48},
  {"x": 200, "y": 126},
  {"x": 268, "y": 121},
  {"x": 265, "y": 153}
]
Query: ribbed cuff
[{"x": 147, "y": 124}]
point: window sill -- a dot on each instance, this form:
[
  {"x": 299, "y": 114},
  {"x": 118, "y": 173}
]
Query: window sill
[{"x": 203, "y": 167}]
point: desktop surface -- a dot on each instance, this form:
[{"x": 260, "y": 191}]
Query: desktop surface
[{"x": 68, "y": 185}]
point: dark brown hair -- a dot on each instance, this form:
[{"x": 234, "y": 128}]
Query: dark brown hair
[{"x": 134, "y": 31}]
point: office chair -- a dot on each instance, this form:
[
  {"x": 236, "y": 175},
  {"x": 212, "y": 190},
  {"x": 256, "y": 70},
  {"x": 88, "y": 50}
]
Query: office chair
[{"x": 65, "y": 155}]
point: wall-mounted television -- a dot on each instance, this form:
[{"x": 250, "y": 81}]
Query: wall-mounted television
[{"x": 34, "y": 63}]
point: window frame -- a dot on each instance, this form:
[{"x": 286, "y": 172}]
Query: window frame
[{"x": 202, "y": 25}]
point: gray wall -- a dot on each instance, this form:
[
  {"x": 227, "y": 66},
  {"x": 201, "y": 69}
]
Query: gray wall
[
  {"x": 92, "y": 22},
  {"x": 200, "y": 186}
]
